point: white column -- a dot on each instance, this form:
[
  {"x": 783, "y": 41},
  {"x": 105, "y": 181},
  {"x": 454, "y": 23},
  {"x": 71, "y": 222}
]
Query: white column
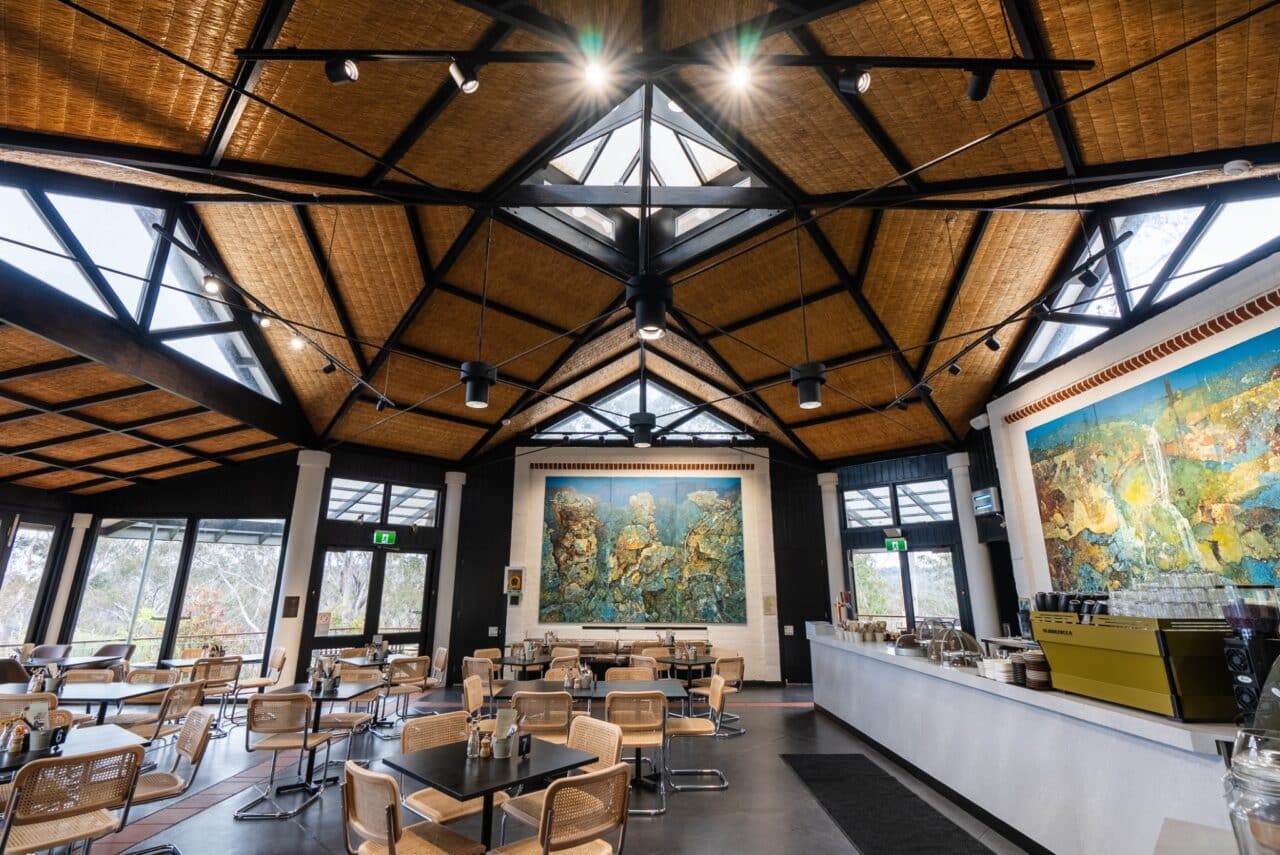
[
  {"x": 299, "y": 552},
  {"x": 453, "y": 484},
  {"x": 831, "y": 528},
  {"x": 79, "y": 531},
  {"x": 977, "y": 561}
]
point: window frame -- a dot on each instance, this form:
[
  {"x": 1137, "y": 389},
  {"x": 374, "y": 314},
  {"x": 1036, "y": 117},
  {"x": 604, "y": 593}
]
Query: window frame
[{"x": 46, "y": 592}]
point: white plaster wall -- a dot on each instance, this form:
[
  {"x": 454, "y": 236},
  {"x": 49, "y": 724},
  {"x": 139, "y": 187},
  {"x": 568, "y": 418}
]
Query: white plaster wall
[
  {"x": 757, "y": 639},
  {"x": 1022, "y": 517}
]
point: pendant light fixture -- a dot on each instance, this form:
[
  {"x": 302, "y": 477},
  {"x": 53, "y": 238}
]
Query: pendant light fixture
[
  {"x": 464, "y": 76},
  {"x": 649, "y": 295},
  {"x": 643, "y": 422},
  {"x": 808, "y": 377},
  {"x": 478, "y": 376}
]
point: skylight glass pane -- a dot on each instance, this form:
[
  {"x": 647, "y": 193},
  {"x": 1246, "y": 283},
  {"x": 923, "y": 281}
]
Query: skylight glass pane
[
  {"x": 115, "y": 235},
  {"x": 924, "y": 501},
  {"x": 1239, "y": 228},
  {"x": 618, "y": 153},
  {"x": 20, "y": 221},
  {"x": 228, "y": 354},
  {"x": 1155, "y": 236},
  {"x": 659, "y": 401},
  {"x": 355, "y": 501},
  {"x": 670, "y": 160},
  {"x": 712, "y": 163},
  {"x": 692, "y": 218},
  {"x": 867, "y": 508},
  {"x": 181, "y": 302},
  {"x": 1099, "y": 300},
  {"x": 705, "y": 424},
  {"x": 572, "y": 163},
  {"x": 579, "y": 426},
  {"x": 591, "y": 218},
  {"x": 410, "y": 505},
  {"x": 1051, "y": 340}
]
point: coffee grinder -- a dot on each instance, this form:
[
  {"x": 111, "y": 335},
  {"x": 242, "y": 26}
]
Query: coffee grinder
[{"x": 1254, "y": 615}]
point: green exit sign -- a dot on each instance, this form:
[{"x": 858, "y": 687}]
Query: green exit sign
[
  {"x": 895, "y": 544},
  {"x": 388, "y": 538}
]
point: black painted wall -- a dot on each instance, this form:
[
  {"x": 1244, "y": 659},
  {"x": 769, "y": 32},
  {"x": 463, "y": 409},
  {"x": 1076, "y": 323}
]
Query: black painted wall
[
  {"x": 800, "y": 557},
  {"x": 255, "y": 489}
]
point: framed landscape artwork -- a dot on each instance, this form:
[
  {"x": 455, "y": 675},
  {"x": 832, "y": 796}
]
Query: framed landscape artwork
[
  {"x": 642, "y": 550},
  {"x": 1179, "y": 473}
]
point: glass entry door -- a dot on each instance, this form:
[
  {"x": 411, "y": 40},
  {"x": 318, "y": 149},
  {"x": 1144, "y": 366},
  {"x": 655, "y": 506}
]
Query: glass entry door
[
  {"x": 26, "y": 554},
  {"x": 363, "y": 592},
  {"x": 905, "y": 587}
]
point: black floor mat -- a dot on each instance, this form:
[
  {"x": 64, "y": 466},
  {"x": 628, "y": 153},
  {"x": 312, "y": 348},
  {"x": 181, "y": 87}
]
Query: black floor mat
[{"x": 878, "y": 814}]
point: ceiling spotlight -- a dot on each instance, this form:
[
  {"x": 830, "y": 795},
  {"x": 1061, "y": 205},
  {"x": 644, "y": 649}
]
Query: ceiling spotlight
[
  {"x": 329, "y": 367},
  {"x": 478, "y": 377},
  {"x": 212, "y": 284},
  {"x": 649, "y": 296},
  {"x": 954, "y": 369},
  {"x": 925, "y": 388},
  {"x": 642, "y": 425},
  {"x": 342, "y": 71},
  {"x": 595, "y": 75},
  {"x": 740, "y": 75},
  {"x": 464, "y": 74},
  {"x": 1089, "y": 278},
  {"x": 902, "y": 405},
  {"x": 992, "y": 343},
  {"x": 1042, "y": 310},
  {"x": 381, "y": 405},
  {"x": 980, "y": 83},
  {"x": 261, "y": 320},
  {"x": 297, "y": 342},
  {"x": 808, "y": 378},
  {"x": 855, "y": 81}
]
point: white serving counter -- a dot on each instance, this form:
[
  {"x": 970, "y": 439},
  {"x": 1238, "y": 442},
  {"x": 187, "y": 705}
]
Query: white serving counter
[{"x": 1072, "y": 774}]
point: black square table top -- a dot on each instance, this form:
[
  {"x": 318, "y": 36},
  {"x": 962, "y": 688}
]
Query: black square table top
[
  {"x": 696, "y": 662},
  {"x": 531, "y": 661},
  {"x": 449, "y": 770},
  {"x": 673, "y": 689},
  {"x": 344, "y": 692},
  {"x": 79, "y": 741},
  {"x": 368, "y": 662},
  {"x": 90, "y": 693},
  {"x": 252, "y": 659},
  {"x": 70, "y": 661},
  {"x": 508, "y": 691}
]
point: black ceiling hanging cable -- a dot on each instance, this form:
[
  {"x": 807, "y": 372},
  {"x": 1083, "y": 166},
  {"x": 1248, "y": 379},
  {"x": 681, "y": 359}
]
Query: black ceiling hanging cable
[
  {"x": 808, "y": 377},
  {"x": 648, "y": 294},
  {"x": 479, "y": 376}
]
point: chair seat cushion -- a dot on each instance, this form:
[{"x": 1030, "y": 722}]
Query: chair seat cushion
[
  {"x": 642, "y": 738},
  {"x": 287, "y": 741},
  {"x": 691, "y": 727},
  {"x": 40, "y": 836},
  {"x": 526, "y": 808},
  {"x": 256, "y": 683},
  {"x": 344, "y": 720},
  {"x": 79, "y": 719},
  {"x": 157, "y": 785},
  {"x": 530, "y": 846},
  {"x": 127, "y": 719},
  {"x": 426, "y": 838},
  {"x": 439, "y": 807}
]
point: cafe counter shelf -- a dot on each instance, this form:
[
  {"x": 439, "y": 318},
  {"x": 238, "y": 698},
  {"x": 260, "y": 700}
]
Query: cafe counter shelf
[{"x": 1065, "y": 772}]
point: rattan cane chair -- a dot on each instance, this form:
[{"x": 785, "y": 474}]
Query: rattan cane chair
[
  {"x": 221, "y": 678},
  {"x": 698, "y": 727},
  {"x": 275, "y": 670},
  {"x": 577, "y": 813},
  {"x": 732, "y": 670},
  {"x": 628, "y": 673},
  {"x": 371, "y": 808},
  {"x": 284, "y": 718},
  {"x": 644, "y": 662},
  {"x": 545, "y": 715},
  {"x": 11, "y": 705},
  {"x": 493, "y": 654},
  {"x": 179, "y": 701},
  {"x": 568, "y": 663},
  {"x": 405, "y": 678},
  {"x": 643, "y": 719},
  {"x": 655, "y": 653},
  {"x": 162, "y": 786},
  {"x": 439, "y": 669},
  {"x": 473, "y": 702},
  {"x": 565, "y": 653},
  {"x": 555, "y": 675},
  {"x": 433, "y": 732},
  {"x": 160, "y": 677},
  {"x": 353, "y": 721},
  {"x": 585, "y": 734},
  {"x": 478, "y": 666},
  {"x": 58, "y": 801},
  {"x": 90, "y": 675}
]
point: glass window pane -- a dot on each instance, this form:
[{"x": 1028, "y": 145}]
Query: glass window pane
[
  {"x": 706, "y": 425},
  {"x": 689, "y": 220},
  {"x": 670, "y": 160},
  {"x": 404, "y": 585},
  {"x": 230, "y": 355},
  {"x": 619, "y": 151},
  {"x": 20, "y": 221},
  {"x": 28, "y": 559},
  {"x": 933, "y": 585},
  {"x": 572, "y": 163},
  {"x": 1155, "y": 236},
  {"x": 234, "y": 568},
  {"x": 355, "y": 501},
  {"x": 1051, "y": 340},
  {"x": 131, "y": 577},
  {"x": 712, "y": 163},
  {"x": 579, "y": 426},
  {"x": 867, "y": 508},
  {"x": 877, "y": 585},
  {"x": 1238, "y": 228},
  {"x": 181, "y": 302},
  {"x": 344, "y": 592},
  {"x": 410, "y": 505},
  {"x": 115, "y": 235},
  {"x": 590, "y": 218},
  {"x": 924, "y": 501}
]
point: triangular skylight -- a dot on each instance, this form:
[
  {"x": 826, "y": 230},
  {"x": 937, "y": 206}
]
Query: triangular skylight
[
  {"x": 609, "y": 155},
  {"x": 678, "y": 418}
]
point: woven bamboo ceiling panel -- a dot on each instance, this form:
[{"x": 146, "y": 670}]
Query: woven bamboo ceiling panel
[
  {"x": 409, "y": 432},
  {"x": 873, "y": 433},
  {"x": 440, "y": 228},
  {"x": 601, "y": 349},
  {"x": 683, "y": 23}
]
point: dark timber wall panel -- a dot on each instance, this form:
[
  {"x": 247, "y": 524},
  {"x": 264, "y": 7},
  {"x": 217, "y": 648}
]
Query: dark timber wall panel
[{"x": 800, "y": 557}]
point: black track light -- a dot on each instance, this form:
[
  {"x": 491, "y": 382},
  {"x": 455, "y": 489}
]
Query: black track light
[
  {"x": 992, "y": 343},
  {"x": 1089, "y": 278},
  {"x": 478, "y": 377},
  {"x": 464, "y": 74},
  {"x": 980, "y": 84},
  {"x": 381, "y": 405},
  {"x": 954, "y": 369},
  {"x": 341, "y": 71},
  {"x": 642, "y": 425},
  {"x": 1042, "y": 310},
  {"x": 263, "y": 321},
  {"x": 808, "y": 378},
  {"x": 854, "y": 81},
  {"x": 902, "y": 404},
  {"x": 329, "y": 367},
  {"x": 926, "y": 389},
  {"x": 649, "y": 296}
]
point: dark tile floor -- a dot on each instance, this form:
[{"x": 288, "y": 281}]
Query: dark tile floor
[{"x": 766, "y": 810}]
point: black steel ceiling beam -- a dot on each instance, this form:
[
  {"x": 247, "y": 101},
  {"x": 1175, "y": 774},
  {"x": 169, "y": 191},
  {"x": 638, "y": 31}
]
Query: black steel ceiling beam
[
  {"x": 426, "y": 412},
  {"x": 501, "y": 308},
  {"x": 618, "y": 196},
  {"x": 1078, "y": 319},
  {"x": 1022, "y": 20},
  {"x": 858, "y": 109},
  {"x": 36, "y": 407},
  {"x": 547, "y": 228},
  {"x": 28, "y": 303},
  {"x": 173, "y": 333},
  {"x": 1119, "y": 276},
  {"x": 160, "y": 250},
  {"x": 432, "y": 109},
  {"x": 958, "y": 276},
  {"x": 327, "y": 276},
  {"x": 526, "y": 18},
  {"x": 266, "y": 30}
]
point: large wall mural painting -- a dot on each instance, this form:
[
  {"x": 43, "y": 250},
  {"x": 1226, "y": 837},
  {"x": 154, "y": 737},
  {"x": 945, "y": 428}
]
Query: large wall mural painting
[
  {"x": 1180, "y": 473},
  {"x": 642, "y": 550}
]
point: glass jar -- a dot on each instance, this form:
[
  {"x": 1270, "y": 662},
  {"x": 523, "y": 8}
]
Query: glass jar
[{"x": 1253, "y": 792}]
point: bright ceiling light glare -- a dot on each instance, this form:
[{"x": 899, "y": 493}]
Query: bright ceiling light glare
[
  {"x": 854, "y": 81},
  {"x": 341, "y": 71},
  {"x": 212, "y": 284},
  {"x": 674, "y": 107},
  {"x": 740, "y": 76},
  {"x": 464, "y": 75},
  {"x": 297, "y": 342},
  {"x": 261, "y": 320},
  {"x": 595, "y": 74},
  {"x": 1236, "y": 168}
]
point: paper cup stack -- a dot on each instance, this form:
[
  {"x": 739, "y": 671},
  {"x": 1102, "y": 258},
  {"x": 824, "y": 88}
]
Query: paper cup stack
[{"x": 1037, "y": 670}]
